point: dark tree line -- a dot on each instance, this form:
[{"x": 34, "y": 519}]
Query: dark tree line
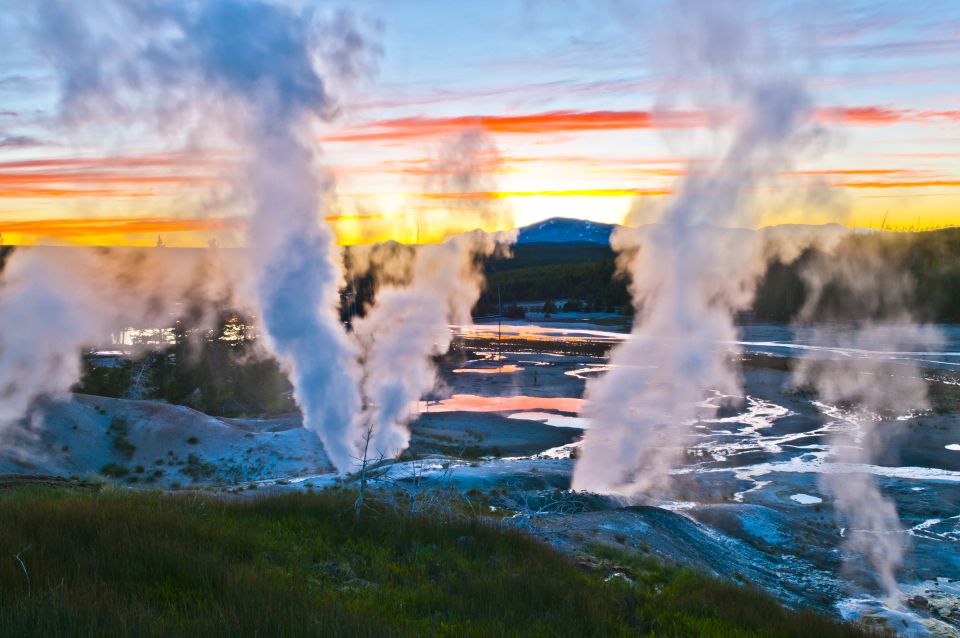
[
  {"x": 916, "y": 271},
  {"x": 594, "y": 286}
]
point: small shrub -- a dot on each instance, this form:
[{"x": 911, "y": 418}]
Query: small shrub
[
  {"x": 118, "y": 430},
  {"x": 197, "y": 469},
  {"x": 115, "y": 470}
]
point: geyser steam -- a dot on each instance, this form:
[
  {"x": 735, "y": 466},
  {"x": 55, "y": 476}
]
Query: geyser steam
[
  {"x": 247, "y": 70},
  {"x": 861, "y": 392},
  {"x": 408, "y": 326},
  {"x": 409, "y": 323},
  {"x": 42, "y": 329},
  {"x": 57, "y": 301},
  {"x": 688, "y": 277}
]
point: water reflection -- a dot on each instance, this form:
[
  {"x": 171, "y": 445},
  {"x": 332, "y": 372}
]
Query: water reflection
[
  {"x": 521, "y": 403},
  {"x": 504, "y": 369}
]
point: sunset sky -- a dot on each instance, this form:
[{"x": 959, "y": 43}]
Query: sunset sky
[{"x": 583, "y": 126}]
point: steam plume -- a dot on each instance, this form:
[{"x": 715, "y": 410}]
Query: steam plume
[
  {"x": 408, "y": 326},
  {"x": 866, "y": 390},
  {"x": 56, "y": 302},
  {"x": 42, "y": 330},
  {"x": 410, "y": 320},
  {"x": 246, "y": 70},
  {"x": 687, "y": 277},
  {"x": 467, "y": 163}
]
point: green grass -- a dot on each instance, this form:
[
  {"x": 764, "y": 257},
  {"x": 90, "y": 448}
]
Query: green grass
[{"x": 122, "y": 563}]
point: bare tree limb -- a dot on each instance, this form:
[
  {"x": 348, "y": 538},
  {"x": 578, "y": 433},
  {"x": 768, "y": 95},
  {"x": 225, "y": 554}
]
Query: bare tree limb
[{"x": 24, "y": 568}]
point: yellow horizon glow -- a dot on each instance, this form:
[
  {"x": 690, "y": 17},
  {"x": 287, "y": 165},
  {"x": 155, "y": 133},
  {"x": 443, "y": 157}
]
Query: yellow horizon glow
[{"x": 429, "y": 218}]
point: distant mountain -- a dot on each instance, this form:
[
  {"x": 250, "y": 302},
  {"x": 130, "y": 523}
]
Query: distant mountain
[{"x": 561, "y": 230}]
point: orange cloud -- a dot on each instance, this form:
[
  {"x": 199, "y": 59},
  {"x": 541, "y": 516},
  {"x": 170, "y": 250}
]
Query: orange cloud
[
  {"x": 854, "y": 171},
  {"x": 419, "y": 167},
  {"x": 587, "y": 192},
  {"x": 97, "y": 177},
  {"x": 879, "y": 115},
  {"x": 602, "y": 161},
  {"x": 123, "y": 176},
  {"x": 77, "y": 228},
  {"x": 16, "y": 192},
  {"x": 580, "y": 121},
  {"x": 156, "y": 160},
  {"x": 536, "y": 123},
  {"x": 903, "y": 184}
]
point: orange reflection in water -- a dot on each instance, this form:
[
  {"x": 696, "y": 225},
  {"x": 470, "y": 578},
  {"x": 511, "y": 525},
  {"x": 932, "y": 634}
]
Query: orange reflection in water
[
  {"x": 475, "y": 403},
  {"x": 521, "y": 335},
  {"x": 505, "y": 369},
  {"x": 534, "y": 332}
]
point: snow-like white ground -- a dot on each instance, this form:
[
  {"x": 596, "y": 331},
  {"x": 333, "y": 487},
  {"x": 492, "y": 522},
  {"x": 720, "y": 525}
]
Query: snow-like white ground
[{"x": 171, "y": 444}]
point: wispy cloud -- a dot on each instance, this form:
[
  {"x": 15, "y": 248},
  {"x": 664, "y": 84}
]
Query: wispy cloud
[
  {"x": 585, "y": 192},
  {"x": 930, "y": 183},
  {"x": 158, "y": 160},
  {"x": 120, "y": 176},
  {"x": 19, "y": 141},
  {"x": 853, "y": 171},
  {"x": 76, "y": 229},
  {"x": 525, "y": 124},
  {"x": 550, "y": 122},
  {"x": 901, "y": 48},
  {"x": 881, "y": 115},
  {"x": 32, "y": 192},
  {"x": 67, "y": 228}
]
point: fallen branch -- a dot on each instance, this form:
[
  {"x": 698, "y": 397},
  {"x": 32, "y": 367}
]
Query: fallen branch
[{"x": 25, "y": 572}]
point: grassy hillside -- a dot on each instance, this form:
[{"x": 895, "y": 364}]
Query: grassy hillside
[{"x": 124, "y": 563}]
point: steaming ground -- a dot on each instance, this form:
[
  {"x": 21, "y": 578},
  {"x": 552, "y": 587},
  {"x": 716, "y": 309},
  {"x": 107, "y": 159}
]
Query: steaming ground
[{"x": 746, "y": 502}]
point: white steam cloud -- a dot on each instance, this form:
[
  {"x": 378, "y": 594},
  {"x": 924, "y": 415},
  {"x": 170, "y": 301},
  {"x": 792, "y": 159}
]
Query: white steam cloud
[
  {"x": 408, "y": 326},
  {"x": 409, "y": 323},
  {"x": 687, "y": 276},
  {"x": 864, "y": 391},
  {"x": 247, "y": 71},
  {"x": 41, "y": 329},
  {"x": 56, "y": 302}
]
